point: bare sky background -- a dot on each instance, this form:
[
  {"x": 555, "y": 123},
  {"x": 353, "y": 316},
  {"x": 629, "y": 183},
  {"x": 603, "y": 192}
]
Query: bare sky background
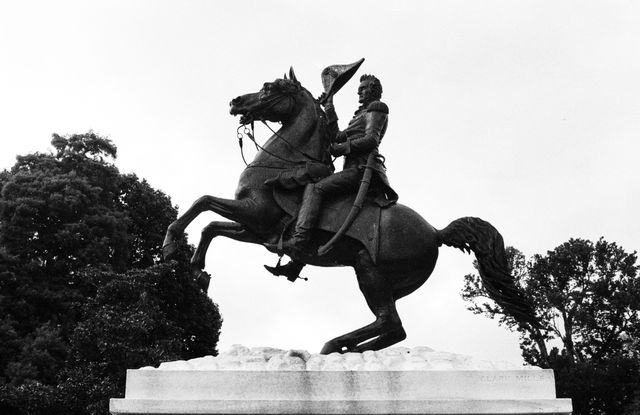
[{"x": 524, "y": 113}]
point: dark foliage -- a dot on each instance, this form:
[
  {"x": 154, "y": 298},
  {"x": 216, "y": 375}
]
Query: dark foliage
[
  {"x": 83, "y": 295},
  {"x": 606, "y": 387},
  {"x": 587, "y": 296}
]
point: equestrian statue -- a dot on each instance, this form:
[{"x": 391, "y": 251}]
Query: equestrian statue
[{"x": 290, "y": 200}]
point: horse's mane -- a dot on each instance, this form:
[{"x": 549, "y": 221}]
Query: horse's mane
[
  {"x": 289, "y": 87},
  {"x": 323, "y": 127}
]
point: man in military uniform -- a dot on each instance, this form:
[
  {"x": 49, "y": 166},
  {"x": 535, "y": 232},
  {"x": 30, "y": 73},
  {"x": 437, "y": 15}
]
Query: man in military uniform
[{"x": 357, "y": 142}]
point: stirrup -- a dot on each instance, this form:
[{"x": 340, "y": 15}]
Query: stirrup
[
  {"x": 295, "y": 244},
  {"x": 290, "y": 245}
]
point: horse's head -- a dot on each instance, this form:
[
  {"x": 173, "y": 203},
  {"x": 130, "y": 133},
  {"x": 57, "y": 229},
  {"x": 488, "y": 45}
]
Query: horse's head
[
  {"x": 276, "y": 101},
  {"x": 303, "y": 136}
]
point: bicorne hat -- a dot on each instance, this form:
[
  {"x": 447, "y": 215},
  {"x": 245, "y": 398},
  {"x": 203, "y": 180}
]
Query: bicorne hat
[{"x": 335, "y": 77}]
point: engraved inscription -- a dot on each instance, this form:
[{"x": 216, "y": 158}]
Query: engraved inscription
[{"x": 512, "y": 378}]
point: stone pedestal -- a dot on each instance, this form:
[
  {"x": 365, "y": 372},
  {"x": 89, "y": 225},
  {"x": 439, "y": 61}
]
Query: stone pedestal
[
  {"x": 294, "y": 382},
  {"x": 362, "y": 392}
]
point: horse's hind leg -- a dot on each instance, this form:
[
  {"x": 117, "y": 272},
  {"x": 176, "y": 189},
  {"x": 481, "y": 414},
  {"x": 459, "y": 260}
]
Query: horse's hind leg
[
  {"x": 229, "y": 208},
  {"x": 387, "y": 328}
]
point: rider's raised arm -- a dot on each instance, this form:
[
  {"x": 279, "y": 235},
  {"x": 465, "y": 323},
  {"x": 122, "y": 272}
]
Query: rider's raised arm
[{"x": 332, "y": 119}]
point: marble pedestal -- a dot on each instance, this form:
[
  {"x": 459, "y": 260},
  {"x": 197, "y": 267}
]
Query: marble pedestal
[
  {"x": 345, "y": 392},
  {"x": 393, "y": 381}
]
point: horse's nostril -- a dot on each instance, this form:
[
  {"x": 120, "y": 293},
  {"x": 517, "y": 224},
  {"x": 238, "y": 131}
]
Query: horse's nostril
[{"x": 236, "y": 101}]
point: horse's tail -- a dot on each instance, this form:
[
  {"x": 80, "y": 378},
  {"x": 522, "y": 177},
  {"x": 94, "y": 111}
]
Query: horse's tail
[{"x": 474, "y": 234}]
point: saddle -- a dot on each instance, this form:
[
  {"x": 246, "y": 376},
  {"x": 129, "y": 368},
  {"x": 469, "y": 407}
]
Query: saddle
[{"x": 365, "y": 228}]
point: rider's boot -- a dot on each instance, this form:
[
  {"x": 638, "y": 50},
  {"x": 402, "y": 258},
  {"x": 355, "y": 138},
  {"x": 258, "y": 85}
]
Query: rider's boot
[
  {"x": 307, "y": 218},
  {"x": 290, "y": 270}
]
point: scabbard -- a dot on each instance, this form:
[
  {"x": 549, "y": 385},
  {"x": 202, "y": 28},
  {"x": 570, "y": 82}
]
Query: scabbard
[{"x": 365, "y": 182}]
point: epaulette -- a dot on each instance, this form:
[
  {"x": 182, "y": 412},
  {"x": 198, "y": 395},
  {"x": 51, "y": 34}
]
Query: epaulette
[{"x": 378, "y": 106}]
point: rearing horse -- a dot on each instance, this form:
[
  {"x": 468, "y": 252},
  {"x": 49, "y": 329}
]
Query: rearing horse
[{"x": 408, "y": 247}]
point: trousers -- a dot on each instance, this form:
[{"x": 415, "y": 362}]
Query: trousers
[
  {"x": 345, "y": 181},
  {"x": 342, "y": 182}
]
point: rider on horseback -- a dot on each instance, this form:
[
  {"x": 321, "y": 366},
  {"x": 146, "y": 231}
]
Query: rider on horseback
[
  {"x": 393, "y": 251},
  {"x": 357, "y": 142}
]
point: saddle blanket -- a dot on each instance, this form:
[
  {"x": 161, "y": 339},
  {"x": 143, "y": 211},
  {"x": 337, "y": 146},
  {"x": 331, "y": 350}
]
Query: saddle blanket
[{"x": 365, "y": 228}]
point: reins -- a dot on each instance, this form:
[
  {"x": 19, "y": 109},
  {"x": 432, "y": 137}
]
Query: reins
[
  {"x": 251, "y": 134},
  {"x": 294, "y": 148}
]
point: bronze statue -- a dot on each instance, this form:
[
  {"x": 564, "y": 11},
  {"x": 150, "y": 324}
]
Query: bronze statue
[{"x": 392, "y": 249}]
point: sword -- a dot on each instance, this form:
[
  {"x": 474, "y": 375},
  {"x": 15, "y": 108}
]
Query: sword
[{"x": 357, "y": 204}]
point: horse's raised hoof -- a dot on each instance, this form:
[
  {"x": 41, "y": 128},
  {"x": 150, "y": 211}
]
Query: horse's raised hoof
[
  {"x": 169, "y": 250},
  {"x": 169, "y": 245},
  {"x": 202, "y": 279}
]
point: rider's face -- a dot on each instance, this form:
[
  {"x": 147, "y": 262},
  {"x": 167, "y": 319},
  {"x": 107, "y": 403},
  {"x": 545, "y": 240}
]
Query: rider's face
[{"x": 365, "y": 92}]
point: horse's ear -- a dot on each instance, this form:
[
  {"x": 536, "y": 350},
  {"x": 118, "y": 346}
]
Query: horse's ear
[
  {"x": 292, "y": 75},
  {"x": 285, "y": 75}
]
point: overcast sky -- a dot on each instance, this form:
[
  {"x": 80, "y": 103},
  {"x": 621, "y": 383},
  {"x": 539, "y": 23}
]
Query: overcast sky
[{"x": 526, "y": 114}]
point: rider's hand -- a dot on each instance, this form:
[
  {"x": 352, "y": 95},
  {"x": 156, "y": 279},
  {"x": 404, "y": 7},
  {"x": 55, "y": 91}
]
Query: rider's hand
[
  {"x": 339, "y": 149},
  {"x": 341, "y": 137},
  {"x": 326, "y": 101}
]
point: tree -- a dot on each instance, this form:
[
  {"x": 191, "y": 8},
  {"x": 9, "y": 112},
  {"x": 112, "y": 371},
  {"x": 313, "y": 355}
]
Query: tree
[
  {"x": 587, "y": 297},
  {"x": 83, "y": 294}
]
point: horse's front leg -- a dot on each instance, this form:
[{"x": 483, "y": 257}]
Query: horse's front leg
[
  {"x": 235, "y": 210},
  {"x": 231, "y": 230}
]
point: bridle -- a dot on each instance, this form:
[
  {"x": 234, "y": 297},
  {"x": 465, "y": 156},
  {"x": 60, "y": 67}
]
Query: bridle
[{"x": 249, "y": 118}]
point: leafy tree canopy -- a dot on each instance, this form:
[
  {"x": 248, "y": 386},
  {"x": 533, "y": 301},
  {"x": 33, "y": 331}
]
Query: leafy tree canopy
[
  {"x": 587, "y": 296},
  {"x": 83, "y": 295}
]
